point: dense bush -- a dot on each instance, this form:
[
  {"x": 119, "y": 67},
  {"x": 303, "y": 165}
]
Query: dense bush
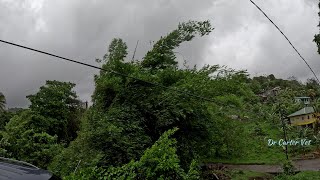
[
  {"x": 158, "y": 162},
  {"x": 38, "y": 134},
  {"x": 25, "y": 138},
  {"x": 4, "y": 119}
]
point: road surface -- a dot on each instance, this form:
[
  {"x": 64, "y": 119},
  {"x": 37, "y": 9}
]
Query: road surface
[{"x": 300, "y": 165}]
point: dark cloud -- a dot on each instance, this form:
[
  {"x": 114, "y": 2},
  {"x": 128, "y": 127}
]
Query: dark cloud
[
  {"x": 82, "y": 30},
  {"x": 247, "y": 40}
]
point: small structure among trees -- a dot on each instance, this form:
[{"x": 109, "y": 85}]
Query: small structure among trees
[
  {"x": 305, "y": 117},
  {"x": 84, "y": 105},
  {"x": 304, "y": 100},
  {"x": 270, "y": 93}
]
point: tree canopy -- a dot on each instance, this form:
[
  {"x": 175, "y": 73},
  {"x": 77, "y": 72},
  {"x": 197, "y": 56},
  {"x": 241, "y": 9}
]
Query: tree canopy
[{"x": 38, "y": 134}]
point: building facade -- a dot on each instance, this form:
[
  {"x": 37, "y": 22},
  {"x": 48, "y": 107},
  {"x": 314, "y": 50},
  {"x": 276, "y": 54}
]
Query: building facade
[
  {"x": 305, "y": 117},
  {"x": 304, "y": 100}
]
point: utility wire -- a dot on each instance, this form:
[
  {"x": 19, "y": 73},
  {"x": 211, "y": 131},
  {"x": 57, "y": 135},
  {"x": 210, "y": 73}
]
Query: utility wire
[
  {"x": 108, "y": 70},
  {"x": 286, "y": 39}
]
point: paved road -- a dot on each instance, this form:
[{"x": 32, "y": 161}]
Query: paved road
[
  {"x": 308, "y": 165},
  {"x": 257, "y": 168},
  {"x": 300, "y": 165}
]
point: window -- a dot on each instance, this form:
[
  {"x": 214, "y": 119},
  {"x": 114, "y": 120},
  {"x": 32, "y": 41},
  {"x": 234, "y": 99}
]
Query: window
[
  {"x": 308, "y": 117},
  {"x": 302, "y": 117}
]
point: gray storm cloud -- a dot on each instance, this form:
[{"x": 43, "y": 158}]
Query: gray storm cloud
[
  {"x": 247, "y": 40},
  {"x": 82, "y": 30}
]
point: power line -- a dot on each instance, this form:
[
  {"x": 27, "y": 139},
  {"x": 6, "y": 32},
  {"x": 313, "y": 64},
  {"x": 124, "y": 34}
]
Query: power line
[
  {"x": 286, "y": 39},
  {"x": 114, "y": 72}
]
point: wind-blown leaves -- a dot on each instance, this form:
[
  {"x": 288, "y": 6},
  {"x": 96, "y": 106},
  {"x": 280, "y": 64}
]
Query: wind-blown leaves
[
  {"x": 162, "y": 55},
  {"x": 2, "y": 102}
]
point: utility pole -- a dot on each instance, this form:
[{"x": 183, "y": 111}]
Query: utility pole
[
  {"x": 135, "y": 49},
  {"x": 284, "y": 130}
]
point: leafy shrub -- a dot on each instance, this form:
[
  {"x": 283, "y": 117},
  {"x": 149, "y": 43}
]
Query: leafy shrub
[
  {"x": 89, "y": 173},
  {"x": 25, "y": 138},
  {"x": 158, "y": 162},
  {"x": 288, "y": 168},
  {"x": 258, "y": 130}
]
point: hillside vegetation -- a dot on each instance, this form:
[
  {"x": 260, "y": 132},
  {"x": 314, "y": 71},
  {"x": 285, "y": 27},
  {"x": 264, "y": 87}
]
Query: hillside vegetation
[{"x": 138, "y": 130}]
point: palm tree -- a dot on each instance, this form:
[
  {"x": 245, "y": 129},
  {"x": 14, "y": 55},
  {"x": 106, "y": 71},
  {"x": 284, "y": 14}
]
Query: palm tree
[{"x": 2, "y": 102}]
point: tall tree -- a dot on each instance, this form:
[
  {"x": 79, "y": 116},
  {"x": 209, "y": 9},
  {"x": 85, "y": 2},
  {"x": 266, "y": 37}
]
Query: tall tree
[
  {"x": 317, "y": 36},
  {"x": 25, "y": 138},
  {"x": 162, "y": 55},
  {"x": 58, "y": 102},
  {"x": 129, "y": 115}
]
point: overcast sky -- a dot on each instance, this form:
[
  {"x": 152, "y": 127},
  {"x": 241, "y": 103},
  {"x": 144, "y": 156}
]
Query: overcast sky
[{"x": 242, "y": 39}]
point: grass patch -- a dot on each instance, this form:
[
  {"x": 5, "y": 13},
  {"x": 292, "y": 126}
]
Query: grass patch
[
  {"x": 256, "y": 146},
  {"x": 256, "y": 150}
]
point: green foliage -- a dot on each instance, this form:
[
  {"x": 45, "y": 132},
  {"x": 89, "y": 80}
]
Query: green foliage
[
  {"x": 317, "y": 41},
  {"x": 89, "y": 173},
  {"x": 4, "y": 119},
  {"x": 56, "y": 102},
  {"x": 288, "y": 168},
  {"x": 117, "y": 51},
  {"x": 229, "y": 101},
  {"x": 158, "y": 162},
  {"x": 38, "y": 134},
  {"x": 317, "y": 36},
  {"x": 101, "y": 142},
  {"x": 161, "y": 160},
  {"x": 313, "y": 84},
  {"x": 2, "y": 102},
  {"x": 25, "y": 138},
  {"x": 316, "y": 140},
  {"x": 78, "y": 151},
  {"x": 129, "y": 115},
  {"x": 254, "y": 149},
  {"x": 162, "y": 55},
  {"x": 262, "y": 84},
  {"x": 227, "y": 147},
  {"x": 125, "y": 134},
  {"x": 258, "y": 130}
]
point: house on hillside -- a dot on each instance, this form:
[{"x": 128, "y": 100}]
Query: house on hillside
[
  {"x": 304, "y": 100},
  {"x": 270, "y": 93},
  {"x": 305, "y": 117},
  {"x": 275, "y": 91}
]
